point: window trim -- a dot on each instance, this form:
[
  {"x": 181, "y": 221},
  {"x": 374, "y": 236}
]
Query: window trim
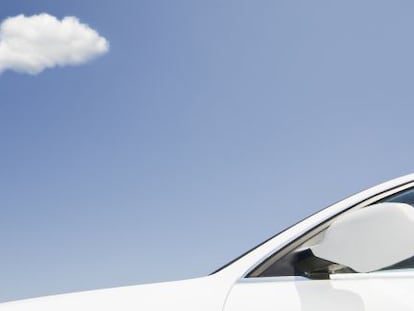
[{"x": 388, "y": 274}]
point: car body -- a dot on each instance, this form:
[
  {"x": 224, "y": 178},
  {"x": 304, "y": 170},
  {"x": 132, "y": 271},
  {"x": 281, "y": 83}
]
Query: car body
[{"x": 259, "y": 279}]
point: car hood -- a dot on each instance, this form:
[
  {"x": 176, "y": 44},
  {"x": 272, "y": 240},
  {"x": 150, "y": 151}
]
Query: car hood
[{"x": 195, "y": 294}]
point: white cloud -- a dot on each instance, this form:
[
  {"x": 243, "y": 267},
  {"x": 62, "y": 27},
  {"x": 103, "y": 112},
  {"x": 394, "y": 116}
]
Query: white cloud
[{"x": 32, "y": 44}]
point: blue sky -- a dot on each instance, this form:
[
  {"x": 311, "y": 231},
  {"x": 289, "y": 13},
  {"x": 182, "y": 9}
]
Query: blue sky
[{"x": 207, "y": 127}]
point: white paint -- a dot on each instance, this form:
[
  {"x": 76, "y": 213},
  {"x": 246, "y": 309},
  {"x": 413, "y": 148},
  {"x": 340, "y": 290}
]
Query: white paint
[
  {"x": 228, "y": 291},
  {"x": 371, "y": 238},
  {"x": 196, "y": 294}
]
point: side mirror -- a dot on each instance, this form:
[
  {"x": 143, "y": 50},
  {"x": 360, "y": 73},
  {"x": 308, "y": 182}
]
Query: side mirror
[{"x": 371, "y": 238}]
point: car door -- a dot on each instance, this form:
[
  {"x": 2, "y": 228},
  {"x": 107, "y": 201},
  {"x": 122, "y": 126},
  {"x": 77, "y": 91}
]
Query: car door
[
  {"x": 378, "y": 291},
  {"x": 267, "y": 294},
  {"x": 275, "y": 284}
]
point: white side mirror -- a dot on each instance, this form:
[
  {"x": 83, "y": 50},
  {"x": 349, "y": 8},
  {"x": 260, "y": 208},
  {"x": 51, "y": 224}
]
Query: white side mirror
[{"x": 371, "y": 238}]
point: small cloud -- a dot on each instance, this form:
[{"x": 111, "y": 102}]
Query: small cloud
[{"x": 34, "y": 43}]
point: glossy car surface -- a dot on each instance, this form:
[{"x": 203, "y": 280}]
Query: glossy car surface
[{"x": 371, "y": 268}]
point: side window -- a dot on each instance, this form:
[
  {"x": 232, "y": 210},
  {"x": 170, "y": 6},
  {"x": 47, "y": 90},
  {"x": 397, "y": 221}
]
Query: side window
[
  {"x": 301, "y": 261},
  {"x": 406, "y": 196}
]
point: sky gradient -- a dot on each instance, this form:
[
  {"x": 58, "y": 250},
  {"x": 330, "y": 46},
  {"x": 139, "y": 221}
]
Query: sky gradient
[{"x": 207, "y": 127}]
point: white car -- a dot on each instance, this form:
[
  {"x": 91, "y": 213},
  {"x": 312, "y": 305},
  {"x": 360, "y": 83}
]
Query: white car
[{"x": 354, "y": 255}]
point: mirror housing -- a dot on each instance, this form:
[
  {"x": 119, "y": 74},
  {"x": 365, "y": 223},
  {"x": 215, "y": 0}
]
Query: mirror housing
[{"x": 371, "y": 238}]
